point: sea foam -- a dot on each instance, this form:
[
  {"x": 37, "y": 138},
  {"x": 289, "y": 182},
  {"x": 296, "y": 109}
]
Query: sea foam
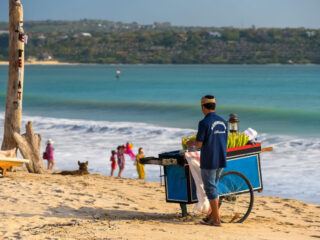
[{"x": 290, "y": 171}]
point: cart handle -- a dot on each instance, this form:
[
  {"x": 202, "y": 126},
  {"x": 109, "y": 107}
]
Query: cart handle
[{"x": 268, "y": 149}]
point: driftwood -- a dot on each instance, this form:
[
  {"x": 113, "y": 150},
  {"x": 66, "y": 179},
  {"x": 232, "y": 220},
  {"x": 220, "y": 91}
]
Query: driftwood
[{"x": 29, "y": 146}]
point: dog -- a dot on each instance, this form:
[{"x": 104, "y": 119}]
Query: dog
[{"x": 83, "y": 170}]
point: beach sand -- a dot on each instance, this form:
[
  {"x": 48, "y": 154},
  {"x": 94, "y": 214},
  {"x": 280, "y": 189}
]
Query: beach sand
[{"x": 51, "y": 206}]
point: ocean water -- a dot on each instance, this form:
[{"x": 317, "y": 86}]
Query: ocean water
[{"x": 88, "y": 112}]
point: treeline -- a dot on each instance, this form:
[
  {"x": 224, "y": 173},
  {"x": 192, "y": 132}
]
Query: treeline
[{"x": 163, "y": 43}]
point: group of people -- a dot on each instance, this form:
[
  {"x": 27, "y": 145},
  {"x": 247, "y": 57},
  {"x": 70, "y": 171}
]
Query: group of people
[
  {"x": 211, "y": 139},
  {"x": 117, "y": 157}
]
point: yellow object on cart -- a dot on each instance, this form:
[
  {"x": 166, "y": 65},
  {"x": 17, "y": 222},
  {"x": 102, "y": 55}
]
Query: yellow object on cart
[{"x": 186, "y": 139}]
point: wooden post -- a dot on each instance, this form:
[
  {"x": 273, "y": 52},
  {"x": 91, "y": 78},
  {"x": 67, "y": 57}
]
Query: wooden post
[
  {"x": 28, "y": 143},
  {"x": 13, "y": 112}
]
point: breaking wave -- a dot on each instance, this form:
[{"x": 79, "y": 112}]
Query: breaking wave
[{"x": 291, "y": 170}]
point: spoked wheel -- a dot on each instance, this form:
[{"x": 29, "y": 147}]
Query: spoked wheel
[{"x": 236, "y": 197}]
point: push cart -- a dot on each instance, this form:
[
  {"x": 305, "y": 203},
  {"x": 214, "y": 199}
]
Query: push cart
[{"x": 236, "y": 186}]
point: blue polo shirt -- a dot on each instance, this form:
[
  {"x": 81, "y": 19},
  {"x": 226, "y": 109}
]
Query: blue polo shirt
[{"x": 213, "y": 133}]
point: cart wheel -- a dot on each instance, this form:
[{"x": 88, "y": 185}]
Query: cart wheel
[{"x": 236, "y": 197}]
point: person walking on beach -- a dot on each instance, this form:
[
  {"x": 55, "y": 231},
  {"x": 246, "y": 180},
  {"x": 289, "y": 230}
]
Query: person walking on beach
[
  {"x": 113, "y": 162},
  {"x": 121, "y": 160},
  {"x": 212, "y": 139},
  {"x": 49, "y": 154},
  {"x": 140, "y": 166}
]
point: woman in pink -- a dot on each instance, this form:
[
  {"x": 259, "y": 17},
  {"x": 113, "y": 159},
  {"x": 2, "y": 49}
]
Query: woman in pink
[{"x": 50, "y": 152}]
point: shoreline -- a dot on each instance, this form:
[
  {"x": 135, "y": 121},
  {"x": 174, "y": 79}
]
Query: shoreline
[
  {"x": 98, "y": 207},
  {"x": 42, "y": 63},
  {"x": 92, "y": 130},
  {"x": 123, "y": 64}
]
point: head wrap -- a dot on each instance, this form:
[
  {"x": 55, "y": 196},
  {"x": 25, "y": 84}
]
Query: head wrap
[{"x": 207, "y": 100}]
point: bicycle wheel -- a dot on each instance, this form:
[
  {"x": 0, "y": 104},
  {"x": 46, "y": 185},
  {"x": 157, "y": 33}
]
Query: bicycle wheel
[{"x": 235, "y": 197}]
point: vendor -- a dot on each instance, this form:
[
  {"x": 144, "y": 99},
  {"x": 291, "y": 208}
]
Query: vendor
[{"x": 212, "y": 139}]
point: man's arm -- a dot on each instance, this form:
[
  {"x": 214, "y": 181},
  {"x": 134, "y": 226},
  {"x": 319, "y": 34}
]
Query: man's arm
[{"x": 200, "y": 136}]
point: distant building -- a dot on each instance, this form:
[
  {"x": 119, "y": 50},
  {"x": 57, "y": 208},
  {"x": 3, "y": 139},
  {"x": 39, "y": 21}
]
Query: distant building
[
  {"x": 310, "y": 33},
  {"x": 62, "y": 37},
  {"x": 162, "y": 24},
  {"x": 182, "y": 36},
  {"x": 41, "y": 37},
  {"x": 86, "y": 34},
  {"x": 215, "y": 34},
  {"x": 31, "y": 59},
  {"x": 45, "y": 57}
]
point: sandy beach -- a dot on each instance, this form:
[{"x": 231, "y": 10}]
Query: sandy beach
[{"x": 52, "y": 206}]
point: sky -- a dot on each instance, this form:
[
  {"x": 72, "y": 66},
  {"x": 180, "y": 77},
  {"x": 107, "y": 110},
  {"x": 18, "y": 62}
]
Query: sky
[{"x": 210, "y": 13}]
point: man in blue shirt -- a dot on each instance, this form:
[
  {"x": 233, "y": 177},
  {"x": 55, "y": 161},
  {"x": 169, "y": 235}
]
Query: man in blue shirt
[{"x": 212, "y": 139}]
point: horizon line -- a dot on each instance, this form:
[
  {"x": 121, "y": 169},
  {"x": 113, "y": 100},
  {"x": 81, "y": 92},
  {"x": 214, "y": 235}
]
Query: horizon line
[{"x": 253, "y": 26}]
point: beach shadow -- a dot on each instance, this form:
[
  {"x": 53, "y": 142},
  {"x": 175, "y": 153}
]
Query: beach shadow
[
  {"x": 99, "y": 214},
  {"x": 118, "y": 214}
]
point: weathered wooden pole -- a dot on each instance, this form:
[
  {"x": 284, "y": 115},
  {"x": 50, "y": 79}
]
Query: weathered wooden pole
[
  {"x": 29, "y": 143},
  {"x": 13, "y": 112}
]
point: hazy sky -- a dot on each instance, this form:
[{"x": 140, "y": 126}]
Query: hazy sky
[{"x": 237, "y": 13}]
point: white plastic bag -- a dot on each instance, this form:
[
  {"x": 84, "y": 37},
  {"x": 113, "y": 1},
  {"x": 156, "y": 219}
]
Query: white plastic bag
[
  {"x": 193, "y": 159},
  {"x": 251, "y": 133}
]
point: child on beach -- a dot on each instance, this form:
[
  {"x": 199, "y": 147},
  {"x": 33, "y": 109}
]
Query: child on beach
[
  {"x": 121, "y": 160},
  {"x": 140, "y": 167},
  {"x": 113, "y": 161}
]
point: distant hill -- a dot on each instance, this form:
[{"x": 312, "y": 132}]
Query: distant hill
[
  {"x": 100, "y": 41},
  {"x": 86, "y": 25}
]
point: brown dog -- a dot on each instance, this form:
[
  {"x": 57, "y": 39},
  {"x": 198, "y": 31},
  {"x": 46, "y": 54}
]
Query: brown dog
[{"x": 83, "y": 169}]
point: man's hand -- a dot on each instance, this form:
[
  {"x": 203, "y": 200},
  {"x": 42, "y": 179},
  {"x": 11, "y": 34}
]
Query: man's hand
[{"x": 194, "y": 143}]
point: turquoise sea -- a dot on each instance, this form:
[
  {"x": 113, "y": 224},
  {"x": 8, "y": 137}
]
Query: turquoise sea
[
  {"x": 88, "y": 112},
  {"x": 277, "y": 99}
]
